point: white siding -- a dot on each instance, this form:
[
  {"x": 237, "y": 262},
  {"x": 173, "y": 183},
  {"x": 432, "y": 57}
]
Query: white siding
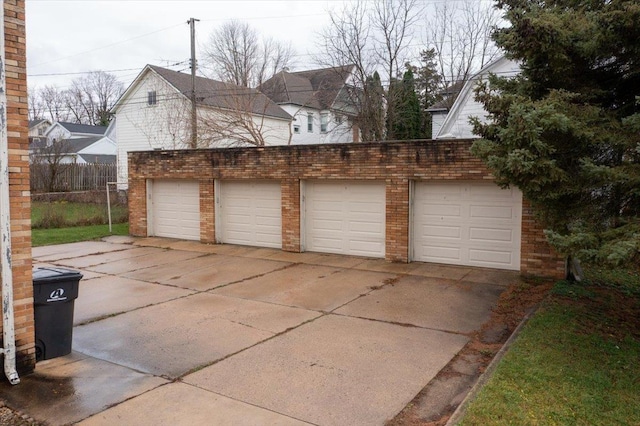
[
  {"x": 338, "y": 131},
  {"x": 104, "y": 146},
  {"x": 140, "y": 127},
  {"x": 456, "y": 124}
]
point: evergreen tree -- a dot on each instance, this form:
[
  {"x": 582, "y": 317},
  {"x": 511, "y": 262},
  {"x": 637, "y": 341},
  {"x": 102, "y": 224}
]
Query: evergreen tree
[
  {"x": 428, "y": 82},
  {"x": 567, "y": 130},
  {"x": 407, "y": 122},
  {"x": 371, "y": 117}
]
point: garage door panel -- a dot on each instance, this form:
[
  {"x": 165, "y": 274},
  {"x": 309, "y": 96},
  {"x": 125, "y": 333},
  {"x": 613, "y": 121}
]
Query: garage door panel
[
  {"x": 345, "y": 218},
  {"x": 175, "y": 209},
  {"x": 445, "y": 210},
  {"x": 490, "y": 258},
  {"x": 491, "y": 235},
  {"x": 474, "y": 223},
  {"x": 250, "y": 213},
  {"x": 442, "y": 231},
  {"x": 492, "y": 212}
]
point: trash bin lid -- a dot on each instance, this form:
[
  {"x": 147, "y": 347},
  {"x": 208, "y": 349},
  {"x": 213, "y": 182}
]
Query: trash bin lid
[{"x": 53, "y": 275}]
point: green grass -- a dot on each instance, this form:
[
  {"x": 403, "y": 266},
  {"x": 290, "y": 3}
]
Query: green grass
[
  {"x": 61, "y": 214},
  {"x": 44, "y": 237},
  {"x": 576, "y": 362}
]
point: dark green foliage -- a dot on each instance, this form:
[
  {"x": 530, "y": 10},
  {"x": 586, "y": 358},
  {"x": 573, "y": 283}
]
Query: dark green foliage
[
  {"x": 407, "y": 122},
  {"x": 427, "y": 84},
  {"x": 567, "y": 131},
  {"x": 371, "y": 120}
]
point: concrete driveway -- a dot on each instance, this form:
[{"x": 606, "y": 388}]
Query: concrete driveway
[{"x": 177, "y": 332}]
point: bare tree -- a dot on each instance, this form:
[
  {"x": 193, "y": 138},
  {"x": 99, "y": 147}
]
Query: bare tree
[
  {"x": 92, "y": 96},
  {"x": 48, "y": 160},
  {"x": 460, "y": 34},
  {"x": 53, "y": 102},
  {"x": 35, "y": 105},
  {"x": 237, "y": 54},
  {"x": 241, "y": 118},
  {"x": 348, "y": 40},
  {"x": 394, "y": 21}
]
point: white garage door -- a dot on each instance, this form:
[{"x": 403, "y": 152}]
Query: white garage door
[
  {"x": 475, "y": 224},
  {"x": 175, "y": 210},
  {"x": 345, "y": 218},
  {"x": 250, "y": 213}
]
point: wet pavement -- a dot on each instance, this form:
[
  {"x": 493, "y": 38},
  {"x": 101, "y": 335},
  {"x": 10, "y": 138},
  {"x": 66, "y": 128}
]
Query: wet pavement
[{"x": 177, "y": 332}]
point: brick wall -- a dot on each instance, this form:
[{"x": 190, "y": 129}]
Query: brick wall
[
  {"x": 20, "y": 209},
  {"x": 396, "y": 164}
]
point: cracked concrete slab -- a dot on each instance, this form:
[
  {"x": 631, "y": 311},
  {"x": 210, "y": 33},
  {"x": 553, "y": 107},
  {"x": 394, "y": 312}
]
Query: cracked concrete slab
[
  {"x": 207, "y": 272},
  {"x": 182, "y": 404},
  {"x": 172, "y": 338},
  {"x": 68, "y": 389},
  {"x": 108, "y": 295},
  {"x": 334, "y": 370},
  {"x": 158, "y": 257},
  {"x": 102, "y": 258},
  {"x": 428, "y": 302},
  {"x": 71, "y": 250},
  {"x": 319, "y": 288}
]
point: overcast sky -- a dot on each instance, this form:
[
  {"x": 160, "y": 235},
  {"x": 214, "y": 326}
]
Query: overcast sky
[{"x": 121, "y": 36}]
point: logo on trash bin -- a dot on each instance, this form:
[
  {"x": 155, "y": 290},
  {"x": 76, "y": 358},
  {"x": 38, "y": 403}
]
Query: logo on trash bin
[{"x": 57, "y": 295}]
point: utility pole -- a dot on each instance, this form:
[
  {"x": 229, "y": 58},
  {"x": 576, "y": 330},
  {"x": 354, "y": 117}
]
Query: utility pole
[{"x": 194, "y": 111}]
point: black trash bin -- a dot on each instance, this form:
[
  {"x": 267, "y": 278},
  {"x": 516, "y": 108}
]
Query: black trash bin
[{"x": 54, "y": 293}]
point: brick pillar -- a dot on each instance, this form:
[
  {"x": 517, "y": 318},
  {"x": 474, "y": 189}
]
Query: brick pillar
[
  {"x": 537, "y": 257},
  {"x": 290, "y": 215},
  {"x": 397, "y": 221},
  {"x": 14, "y": 58},
  {"x": 137, "y": 205},
  {"x": 207, "y": 211}
]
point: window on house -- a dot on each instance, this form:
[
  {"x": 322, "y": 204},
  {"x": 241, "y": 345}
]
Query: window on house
[
  {"x": 310, "y": 123},
  {"x": 338, "y": 119},
  {"x": 296, "y": 128},
  {"x": 152, "y": 98},
  {"x": 324, "y": 122}
]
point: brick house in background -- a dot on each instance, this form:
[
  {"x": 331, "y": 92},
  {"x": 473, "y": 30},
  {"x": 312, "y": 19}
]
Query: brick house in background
[{"x": 14, "y": 56}]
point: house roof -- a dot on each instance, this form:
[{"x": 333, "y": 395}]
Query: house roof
[
  {"x": 221, "y": 95},
  {"x": 98, "y": 158},
  {"x": 317, "y": 88},
  {"x": 83, "y": 128},
  {"x": 34, "y": 123}
]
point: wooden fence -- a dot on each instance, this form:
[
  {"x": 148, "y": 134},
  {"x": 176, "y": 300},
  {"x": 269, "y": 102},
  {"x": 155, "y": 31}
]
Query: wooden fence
[{"x": 71, "y": 177}]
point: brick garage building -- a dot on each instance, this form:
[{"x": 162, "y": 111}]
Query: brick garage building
[
  {"x": 14, "y": 57},
  {"x": 406, "y": 175}
]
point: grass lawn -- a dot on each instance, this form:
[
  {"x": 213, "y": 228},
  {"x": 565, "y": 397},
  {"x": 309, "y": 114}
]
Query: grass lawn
[
  {"x": 45, "y": 237},
  {"x": 576, "y": 362},
  {"x": 62, "y": 214}
]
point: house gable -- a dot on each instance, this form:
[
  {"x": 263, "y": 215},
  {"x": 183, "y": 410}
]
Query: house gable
[{"x": 456, "y": 124}]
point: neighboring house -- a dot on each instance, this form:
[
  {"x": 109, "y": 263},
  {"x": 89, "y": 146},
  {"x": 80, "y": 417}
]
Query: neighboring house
[
  {"x": 155, "y": 113},
  {"x": 38, "y": 128},
  {"x": 86, "y": 150},
  {"x": 60, "y": 130},
  {"x": 320, "y": 102},
  {"x": 74, "y": 143},
  {"x": 454, "y": 123}
]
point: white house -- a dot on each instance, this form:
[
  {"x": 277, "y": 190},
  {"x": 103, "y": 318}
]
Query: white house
[
  {"x": 61, "y": 130},
  {"x": 319, "y": 101},
  {"x": 37, "y": 128},
  {"x": 73, "y": 143},
  {"x": 155, "y": 113},
  {"x": 454, "y": 123}
]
